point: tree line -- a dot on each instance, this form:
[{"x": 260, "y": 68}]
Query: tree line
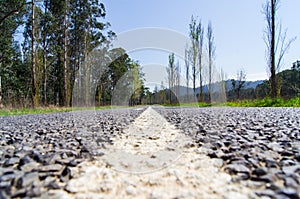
[
  {"x": 195, "y": 66},
  {"x": 45, "y": 51},
  {"x": 277, "y": 45},
  {"x": 235, "y": 89},
  {"x": 55, "y": 52}
]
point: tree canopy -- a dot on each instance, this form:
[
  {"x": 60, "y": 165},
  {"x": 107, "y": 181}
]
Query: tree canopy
[{"x": 46, "y": 48}]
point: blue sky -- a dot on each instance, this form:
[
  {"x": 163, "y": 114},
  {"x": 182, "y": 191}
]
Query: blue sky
[{"x": 238, "y": 27}]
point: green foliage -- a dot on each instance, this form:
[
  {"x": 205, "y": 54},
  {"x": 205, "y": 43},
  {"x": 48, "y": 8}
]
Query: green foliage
[
  {"x": 123, "y": 76},
  {"x": 66, "y": 34},
  {"x": 262, "y": 90},
  {"x": 13, "y": 75},
  {"x": 266, "y": 102},
  {"x": 294, "y": 102},
  {"x": 288, "y": 84}
]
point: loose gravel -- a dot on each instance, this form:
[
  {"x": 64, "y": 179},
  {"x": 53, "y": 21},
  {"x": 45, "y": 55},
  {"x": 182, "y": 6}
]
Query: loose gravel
[
  {"x": 260, "y": 147},
  {"x": 152, "y": 159},
  {"x": 256, "y": 150},
  {"x": 38, "y": 152}
]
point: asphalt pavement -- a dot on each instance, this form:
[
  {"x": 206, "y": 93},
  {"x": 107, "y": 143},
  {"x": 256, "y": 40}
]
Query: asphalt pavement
[{"x": 256, "y": 150}]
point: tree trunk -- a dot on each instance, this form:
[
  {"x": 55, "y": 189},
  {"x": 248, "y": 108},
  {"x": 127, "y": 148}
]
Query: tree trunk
[
  {"x": 272, "y": 51},
  {"x": 75, "y": 67},
  {"x": 201, "y": 80},
  {"x": 35, "y": 87},
  {"x": 210, "y": 82},
  {"x": 45, "y": 57},
  {"x": 209, "y": 73},
  {"x": 194, "y": 78},
  {"x": 87, "y": 67},
  {"x": 1, "y": 105},
  {"x": 211, "y": 53},
  {"x": 187, "y": 72},
  {"x": 66, "y": 75},
  {"x": 45, "y": 76},
  {"x": 201, "y": 98}
]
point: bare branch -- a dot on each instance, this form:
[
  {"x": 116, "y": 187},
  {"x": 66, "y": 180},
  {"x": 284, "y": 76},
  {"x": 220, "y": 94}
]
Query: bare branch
[{"x": 284, "y": 48}]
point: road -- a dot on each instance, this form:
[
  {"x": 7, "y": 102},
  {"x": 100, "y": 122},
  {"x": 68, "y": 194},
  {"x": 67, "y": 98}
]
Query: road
[{"x": 152, "y": 152}]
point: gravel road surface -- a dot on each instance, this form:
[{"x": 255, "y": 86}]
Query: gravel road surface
[{"x": 154, "y": 152}]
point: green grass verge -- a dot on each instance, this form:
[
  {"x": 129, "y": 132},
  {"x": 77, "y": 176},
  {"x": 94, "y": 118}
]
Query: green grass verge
[
  {"x": 267, "y": 102},
  {"x": 43, "y": 110},
  {"x": 194, "y": 104}
]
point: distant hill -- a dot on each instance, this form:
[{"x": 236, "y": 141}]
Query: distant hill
[{"x": 248, "y": 84}]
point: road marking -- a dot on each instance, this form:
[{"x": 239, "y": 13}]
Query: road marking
[{"x": 149, "y": 143}]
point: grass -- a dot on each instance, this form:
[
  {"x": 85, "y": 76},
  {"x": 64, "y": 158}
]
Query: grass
[
  {"x": 50, "y": 109},
  {"x": 193, "y": 104},
  {"x": 40, "y": 110},
  {"x": 266, "y": 102}
]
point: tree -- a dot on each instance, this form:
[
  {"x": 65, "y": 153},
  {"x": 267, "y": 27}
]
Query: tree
[
  {"x": 171, "y": 75},
  {"x": 162, "y": 93},
  {"x": 10, "y": 8},
  {"x": 67, "y": 92},
  {"x": 276, "y": 43},
  {"x": 148, "y": 95},
  {"x": 239, "y": 83},
  {"x": 177, "y": 79},
  {"x": 137, "y": 83},
  {"x": 87, "y": 31},
  {"x": 1, "y": 105},
  {"x": 35, "y": 83},
  {"x": 196, "y": 53},
  {"x": 46, "y": 67},
  {"x": 57, "y": 11},
  {"x": 290, "y": 83},
  {"x": 10, "y": 57},
  {"x": 45, "y": 34},
  {"x": 187, "y": 70},
  {"x": 155, "y": 95},
  {"x": 200, "y": 58},
  {"x": 122, "y": 78},
  {"x": 296, "y": 65},
  {"x": 211, "y": 54},
  {"x": 195, "y": 31},
  {"x": 262, "y": 90}
]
